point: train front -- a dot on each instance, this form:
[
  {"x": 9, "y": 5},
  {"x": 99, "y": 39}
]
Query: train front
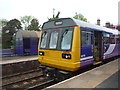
[{"x": 59, "y": 46}]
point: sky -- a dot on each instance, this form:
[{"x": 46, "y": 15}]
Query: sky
[{"x": 105, "y": 10}]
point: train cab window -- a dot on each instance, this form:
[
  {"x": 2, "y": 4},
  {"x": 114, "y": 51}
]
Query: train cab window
[
  {"x": 44, "y": 40},
  {"x": 66, "y": 39},
  {"x": 86, "y": 37},
  {"x": 53, "y": 40}
]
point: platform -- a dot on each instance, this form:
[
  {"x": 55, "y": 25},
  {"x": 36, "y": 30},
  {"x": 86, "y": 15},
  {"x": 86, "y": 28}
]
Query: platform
[
  {"x": 15, "y": 59},
  {"x": 100, "y": 77},
  {"x": 18, "y": 64},
  {"x": 111, "y": 82}
]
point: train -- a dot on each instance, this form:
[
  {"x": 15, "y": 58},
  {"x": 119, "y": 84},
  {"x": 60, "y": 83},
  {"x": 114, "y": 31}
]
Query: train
[
  {"x": 26, "y": 42},
  {"x": 67, "y": 45}
]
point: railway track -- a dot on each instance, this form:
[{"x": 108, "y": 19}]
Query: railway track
[
  {"x": 51, "y": 82},
  {"x": 42, "y": 85},
  {"x": 26, "y": 83},
  {"x": 14, "y": 80},
  {"x": 34, "y": 79},
  {"x": 26, "y": 80},
  {"x": 17, "y": 74}
]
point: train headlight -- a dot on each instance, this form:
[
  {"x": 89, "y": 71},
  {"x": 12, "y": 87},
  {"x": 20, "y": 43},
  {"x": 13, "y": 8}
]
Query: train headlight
[
  {"x": 41, "y": 53},
  {"x": 66, "y": 56}
]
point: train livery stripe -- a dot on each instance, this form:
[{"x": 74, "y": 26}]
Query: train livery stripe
[
  {"x": 86, "y": 58},
  {"x": 110, "y": 49}
]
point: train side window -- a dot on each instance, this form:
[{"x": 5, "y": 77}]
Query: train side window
[
  {"x": 112, "y": 39},
  {"x": 53, "y": 40},
  {"x": 106, "y": 38},
  {"x": 117, "y": 39},
  {"x": 86, "y": 37}
]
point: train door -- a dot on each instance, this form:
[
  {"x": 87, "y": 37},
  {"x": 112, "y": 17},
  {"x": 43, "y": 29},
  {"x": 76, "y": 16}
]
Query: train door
[
  {"x": 86, "y": 47},
  {"x": 97, "y": 50},
  {"x": 26, "y": 43}
]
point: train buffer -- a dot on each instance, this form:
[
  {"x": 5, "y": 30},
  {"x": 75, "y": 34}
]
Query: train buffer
[{"x": 105, "y": 76}]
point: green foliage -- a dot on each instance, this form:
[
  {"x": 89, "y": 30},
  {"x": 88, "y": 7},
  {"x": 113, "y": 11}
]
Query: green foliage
[
  {"x": 80, "y": 17},
  {"x": 3, "y": 22},
  {"x": 9, "y": 28},
  {"x": 8, "y": 31},
  {"x": 26, "y": 21},
  {"x": 34, "y": 25},
  {"x": 6, "y": 40}
]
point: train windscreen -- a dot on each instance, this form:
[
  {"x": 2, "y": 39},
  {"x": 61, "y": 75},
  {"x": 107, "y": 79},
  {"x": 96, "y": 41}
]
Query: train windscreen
[
  {"x": 57, "y": 39},
  {"x": 66, "y": 40}
]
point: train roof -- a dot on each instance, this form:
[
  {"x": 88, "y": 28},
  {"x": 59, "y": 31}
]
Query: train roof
[
  {"x": 27, "y": 34},
  {"x": 64, "y": 22}
]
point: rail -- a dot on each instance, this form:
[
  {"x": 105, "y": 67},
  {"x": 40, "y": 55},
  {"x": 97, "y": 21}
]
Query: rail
[{"x": 10, "y": 82}]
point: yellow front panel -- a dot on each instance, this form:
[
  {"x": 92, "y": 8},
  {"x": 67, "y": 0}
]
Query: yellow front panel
[{"x": 54, "y": 58}]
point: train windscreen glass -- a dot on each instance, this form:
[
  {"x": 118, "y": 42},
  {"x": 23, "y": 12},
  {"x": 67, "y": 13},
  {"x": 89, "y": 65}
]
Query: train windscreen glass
[
  {"x": 66, "y": 40},
  {"x": 44, "y": 40},
  {"x": 57, "y": 39},
  {"x": 53, "y": 40}
]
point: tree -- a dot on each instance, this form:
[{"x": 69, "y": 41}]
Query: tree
[
  {"x": 34, "y": 25},
  {"x": 12, "y": 26},
  {"x": 80, "y": 17},
  {"x": 54, "y": 17},
  {"x": 8, "y": 32},
  {"x": 3, "y": 22},
  {"x": 26, "y": 21}
]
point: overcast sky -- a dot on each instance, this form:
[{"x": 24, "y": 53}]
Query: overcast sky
[{"x": 105, "y": 10}]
